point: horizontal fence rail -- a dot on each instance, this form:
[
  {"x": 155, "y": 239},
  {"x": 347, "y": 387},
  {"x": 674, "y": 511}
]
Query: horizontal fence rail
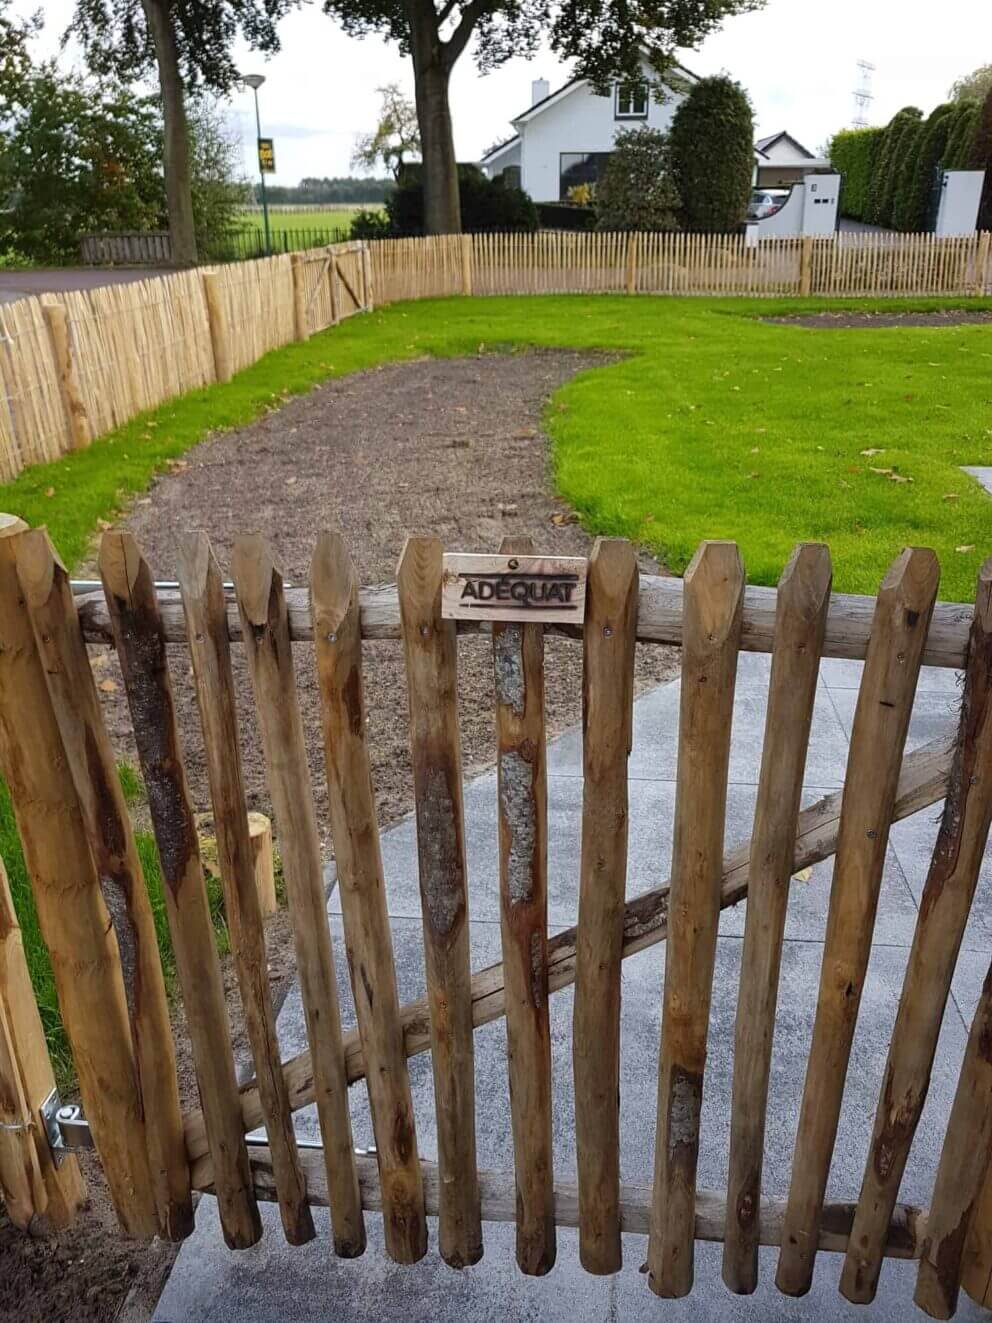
[{"x": 55, "y": 751}]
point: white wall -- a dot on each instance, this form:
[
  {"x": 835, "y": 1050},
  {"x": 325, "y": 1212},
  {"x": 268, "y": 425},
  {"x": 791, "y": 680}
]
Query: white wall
[
  {"x": 783, "y": 153},
  {"x": 498, "y": 163},
  {"x": 579, "y": 122}
]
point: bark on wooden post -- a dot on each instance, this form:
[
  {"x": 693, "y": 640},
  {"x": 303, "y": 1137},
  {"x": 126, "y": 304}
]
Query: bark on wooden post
[
  {"x": 944, "y": 909},
  {"x": 431, "y": 667},
  {"x": 633, "y": 252},
  {"x": 130, "y": 592},
  {"x": 90, "y": 758},
  {"x": 714, "y": 596},
  {"x": 607, "y": 722},
  {"x": 76, "y": 417},
  {"x": 265, "y": 624},
  {"x": 366, "y": 257},
  {"x": 806, "y": 265},
  {"x": 298, "y": 268},
  {"x": 210, "y": 652},
  {"x": 518, "y": 657},
  {"x": 881, "y": 721},
  {"x": 263, "y": 862},
  {"x": 362, "y": 888},
  {"x": 72, "y": 914},
  {"x": 34, "y": 1187},
  {"x": 803, "y": 599},
  {"x": 466, "y": 254},
  {"x": 220, "y": 339}
]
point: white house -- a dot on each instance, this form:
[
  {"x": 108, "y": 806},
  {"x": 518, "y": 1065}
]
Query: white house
[
  {"x": 780, "y": 160},
  {"x": 564, "y": 138}
]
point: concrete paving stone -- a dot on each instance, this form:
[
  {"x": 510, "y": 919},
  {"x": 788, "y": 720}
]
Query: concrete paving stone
[
  {"x": 913, "y": 841},
  {"x": 982, "y": 473},
  {"x": 844, "y": 673},
  {"x": 935, "y": 713}
]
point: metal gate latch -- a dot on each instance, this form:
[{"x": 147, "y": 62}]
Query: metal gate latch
[{"x": 66, "y": 1128}]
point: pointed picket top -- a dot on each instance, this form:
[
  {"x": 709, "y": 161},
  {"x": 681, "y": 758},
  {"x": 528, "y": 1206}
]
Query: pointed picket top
[
  {"x": 419, "y": 567},
  {"x": 911, "y": 581},
  {"x": 715, "y": 581},
  {"x": 38, "y": 564},
  {"x": 254, "y": 571},
  {"x": 333, "y": 585},
  {"x": 197, "y": 567},
  {"x": 806, "y": 580}
]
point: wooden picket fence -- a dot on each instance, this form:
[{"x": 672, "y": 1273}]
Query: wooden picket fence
[
  {"x": 95, "y": 916},
  {"x": 78, "y": 364},
  {"x": 559, "y": 262}
]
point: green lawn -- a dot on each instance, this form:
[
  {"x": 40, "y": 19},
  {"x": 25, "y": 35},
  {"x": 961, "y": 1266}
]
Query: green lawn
[
  {"x": 338, "y": 218},
  {"x": 712, "y": 423}
]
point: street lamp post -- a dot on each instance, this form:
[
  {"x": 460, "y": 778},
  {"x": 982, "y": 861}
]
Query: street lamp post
[{"x": 255, "y": 81}]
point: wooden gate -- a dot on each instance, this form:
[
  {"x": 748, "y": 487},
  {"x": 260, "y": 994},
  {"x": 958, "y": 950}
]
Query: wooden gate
[{"x": 96, "y": 920}]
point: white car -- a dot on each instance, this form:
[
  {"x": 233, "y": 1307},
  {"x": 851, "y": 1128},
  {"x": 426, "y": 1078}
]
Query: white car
[{"x": 765, "y": 202}]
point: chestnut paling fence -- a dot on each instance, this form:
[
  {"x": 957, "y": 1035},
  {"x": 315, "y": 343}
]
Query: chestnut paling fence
[
  {"x": 95, "y": 917},
  {"x": 76, "y": 365}
]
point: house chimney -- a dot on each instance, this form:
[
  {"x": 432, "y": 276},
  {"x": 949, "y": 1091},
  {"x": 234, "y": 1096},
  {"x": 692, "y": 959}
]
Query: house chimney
[{"x": 539, "y": 89}]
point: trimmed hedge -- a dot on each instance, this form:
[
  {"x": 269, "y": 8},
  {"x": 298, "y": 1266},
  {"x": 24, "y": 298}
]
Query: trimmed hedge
[
  {"x": 637, "y": 191},
  {"x": 913, "y": 208},
  {"x": 981, "y": 159},
  {"x": 712, "y": 148},
  {"x": 487, "y": 204},
  {"x": 853, "y": 154},
  {"x": 565, "y": 216},
  {"x": 957, "y": 154}
]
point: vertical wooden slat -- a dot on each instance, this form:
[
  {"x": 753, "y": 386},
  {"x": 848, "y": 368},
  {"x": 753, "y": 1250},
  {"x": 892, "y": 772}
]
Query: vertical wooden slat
[
  {"x": 607, "y": 716},
  {"x": 138, "y": 634},
  {"x": 27, "y": 1069},
  {"x": 518, "y": 661},
  {"x": 800, "y": 622},
  {"x": 72, "y": 914},
  {"x": 431, "y": 662},
  {"x": 944, "y": 908},
  {"x": 885, "y": 701},
  {"x": 712, "y": 616},
  {"x": 210, "y": 652},
  {"x": 361, "y": 886},
  {"x": 961, "y": 1172},
  {"x": 48, "y": 597},
  {"x": 262, "y": 604}
]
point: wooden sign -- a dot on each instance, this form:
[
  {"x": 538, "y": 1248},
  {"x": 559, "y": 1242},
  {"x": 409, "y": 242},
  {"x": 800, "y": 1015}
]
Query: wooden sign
[{"x": 551, "y": 589}]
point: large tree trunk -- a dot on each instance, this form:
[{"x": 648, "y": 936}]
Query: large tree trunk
[
  {"x": 178, "y": 172},
  {"x": 431, "y": 71}
]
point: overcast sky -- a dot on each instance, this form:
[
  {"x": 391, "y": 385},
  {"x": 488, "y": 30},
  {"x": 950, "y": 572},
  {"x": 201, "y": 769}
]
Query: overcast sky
[{"x": 796, "y": 58}]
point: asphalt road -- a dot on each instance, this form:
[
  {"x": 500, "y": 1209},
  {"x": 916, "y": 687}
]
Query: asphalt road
[{"x": 18, "y": 284}]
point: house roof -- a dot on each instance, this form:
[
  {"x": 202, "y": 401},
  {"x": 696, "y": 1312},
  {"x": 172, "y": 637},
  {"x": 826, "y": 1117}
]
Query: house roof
[
  {"x": 569, "y": 87},
  {"x": 764, "y": 143},
  {"x": 500, "y": 148}
]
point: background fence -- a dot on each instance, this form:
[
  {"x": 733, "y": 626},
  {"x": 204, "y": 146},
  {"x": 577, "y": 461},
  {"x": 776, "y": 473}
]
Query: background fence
[
  {"x": 75, "y": 365},
  {"x": 153, "y": 248},
  {"x": 78, "y": 364}
]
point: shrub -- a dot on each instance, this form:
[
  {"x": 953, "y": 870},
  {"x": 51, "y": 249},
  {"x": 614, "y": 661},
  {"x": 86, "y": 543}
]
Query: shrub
[
  {"x": 924, "y": 155},
  {"x": 637, "y": 191},
  {"x": 712, "y": 153},
  {"x": 487, "y": 204},
  {"x": 981, "y": 159},
  {"x": 854, "y": 154},
  {"x": 371, "y": 225},
  {"x": 902, "y": 127},
  {"x": 876, "y": 198},
  {"x": 957, "y": 155},
  {"x": 563, "y": 216}
]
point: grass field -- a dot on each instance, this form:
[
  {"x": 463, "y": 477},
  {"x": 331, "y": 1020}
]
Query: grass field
[
  {"x": 711, "y": 423},
  {"x": 338, "y": 218}
]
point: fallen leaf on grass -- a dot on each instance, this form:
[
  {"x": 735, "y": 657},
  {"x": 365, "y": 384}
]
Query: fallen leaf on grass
[
  {"x": 968, "y": 546},
  {"x": 49, "y": 491},
  {"x": 562, "y": 517},
  {"x": 950, "y": 496},
  {"x": 872, "y": 450}
]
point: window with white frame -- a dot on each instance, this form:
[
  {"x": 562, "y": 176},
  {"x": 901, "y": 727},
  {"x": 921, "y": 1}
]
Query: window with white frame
[{"x": 632, "y": 101}]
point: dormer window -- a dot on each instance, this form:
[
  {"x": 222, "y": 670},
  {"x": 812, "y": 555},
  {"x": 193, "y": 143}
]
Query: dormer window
[{"x": 632, "y": 101}]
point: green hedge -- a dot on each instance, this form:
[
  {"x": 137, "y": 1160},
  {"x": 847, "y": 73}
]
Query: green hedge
[
  {"x": 853, "y": 153},
  {"x": 912, "y": 214},
  {"x": 712, "y": 147},
  {"x": 981, "y": 159}
]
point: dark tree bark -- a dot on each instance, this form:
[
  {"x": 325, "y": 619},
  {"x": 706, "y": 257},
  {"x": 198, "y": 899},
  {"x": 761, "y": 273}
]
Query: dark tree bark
[
  {"x": 178, "y": 171},
  {"x": 432, "y": 63}
]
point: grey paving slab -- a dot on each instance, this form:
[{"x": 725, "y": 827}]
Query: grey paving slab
[
  {"x": 273, "y": 1282},
  {"x": 982, "y": 473}
]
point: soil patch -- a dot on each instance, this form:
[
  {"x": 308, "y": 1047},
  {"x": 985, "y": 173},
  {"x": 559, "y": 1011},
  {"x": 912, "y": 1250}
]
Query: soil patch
[
  {"x": 845, "y": 321},
  {"x": 453, "y": 448}
]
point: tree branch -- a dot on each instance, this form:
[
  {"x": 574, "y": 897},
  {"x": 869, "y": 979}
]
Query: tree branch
[{"x": 456, "y": 43}]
